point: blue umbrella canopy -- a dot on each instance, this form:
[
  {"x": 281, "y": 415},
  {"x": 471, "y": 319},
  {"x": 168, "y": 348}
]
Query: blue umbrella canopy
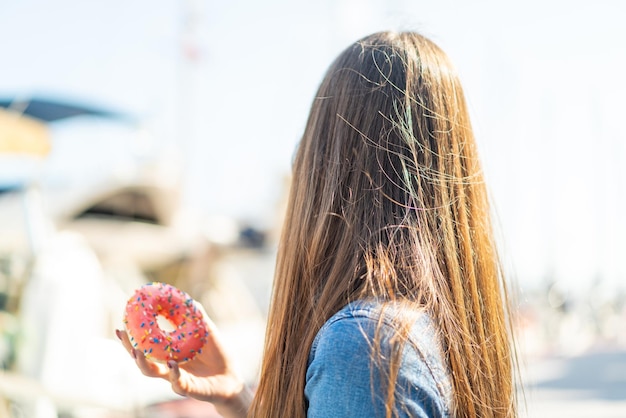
[
  {"x": 51, "y": 110},
  {"x": 24, "y": 131}
]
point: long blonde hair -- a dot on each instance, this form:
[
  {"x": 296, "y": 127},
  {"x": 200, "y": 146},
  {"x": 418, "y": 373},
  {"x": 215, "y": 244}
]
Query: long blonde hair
[{"x": 388, "y": 201}]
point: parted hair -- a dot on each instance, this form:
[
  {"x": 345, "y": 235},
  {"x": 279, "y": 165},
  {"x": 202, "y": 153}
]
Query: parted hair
[{"x": 388, "y": 201}]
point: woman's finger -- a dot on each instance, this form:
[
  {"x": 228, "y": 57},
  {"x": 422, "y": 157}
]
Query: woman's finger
[
  {"x": 174, "y": 378},
  {"x": 149, "y": 368},
  {"x": 123, "y": 336}
]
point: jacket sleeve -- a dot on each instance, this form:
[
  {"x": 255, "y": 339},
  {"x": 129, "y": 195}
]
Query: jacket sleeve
[{"x": 342, "y": 379}]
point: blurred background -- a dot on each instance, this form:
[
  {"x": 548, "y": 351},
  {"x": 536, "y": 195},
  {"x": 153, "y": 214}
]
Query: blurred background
[{"x": 152, "y": 140}]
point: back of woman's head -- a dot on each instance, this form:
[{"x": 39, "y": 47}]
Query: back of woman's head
[
  {"x": 388, "y": 202},
  {"x": 387, "y": 145}
]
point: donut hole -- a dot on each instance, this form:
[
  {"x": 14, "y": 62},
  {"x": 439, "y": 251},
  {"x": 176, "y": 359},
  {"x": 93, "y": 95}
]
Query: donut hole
[{"x": 165, "y": 324}]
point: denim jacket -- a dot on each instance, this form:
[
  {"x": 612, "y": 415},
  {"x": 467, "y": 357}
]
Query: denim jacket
[{"x": 342, "y": 380}]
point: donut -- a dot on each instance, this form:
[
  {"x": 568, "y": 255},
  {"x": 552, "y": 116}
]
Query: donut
[{"x": 148, "y": 313}]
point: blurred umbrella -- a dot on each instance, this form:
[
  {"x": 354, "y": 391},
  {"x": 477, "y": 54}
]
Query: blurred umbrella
[
  {"x": 22, "y": 122},
  {"x": 48, "y": 110}
]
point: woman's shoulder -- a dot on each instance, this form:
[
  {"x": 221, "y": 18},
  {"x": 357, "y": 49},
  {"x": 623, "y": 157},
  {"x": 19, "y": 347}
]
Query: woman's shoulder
[
  {"x": 347, "y": 350},
  {"x": 364, "y": 317}
]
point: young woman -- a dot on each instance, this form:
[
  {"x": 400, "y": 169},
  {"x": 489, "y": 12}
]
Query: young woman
[{"x": 388, "y": 297}]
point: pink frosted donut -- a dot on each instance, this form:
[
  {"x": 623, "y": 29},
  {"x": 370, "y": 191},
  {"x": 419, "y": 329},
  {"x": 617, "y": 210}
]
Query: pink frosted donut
[{"x": 188, "y": 331}]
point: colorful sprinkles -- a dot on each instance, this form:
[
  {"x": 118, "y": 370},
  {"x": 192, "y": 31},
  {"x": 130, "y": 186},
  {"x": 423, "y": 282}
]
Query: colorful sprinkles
[{"x": 161, "y": 299}]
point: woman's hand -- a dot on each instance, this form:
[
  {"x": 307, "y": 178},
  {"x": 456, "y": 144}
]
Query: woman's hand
[{"x": 209, "y": 376}]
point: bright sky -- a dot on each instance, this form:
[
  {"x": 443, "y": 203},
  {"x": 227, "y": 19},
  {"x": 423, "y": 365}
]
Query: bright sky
[{"x": 230, "y": 82}]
